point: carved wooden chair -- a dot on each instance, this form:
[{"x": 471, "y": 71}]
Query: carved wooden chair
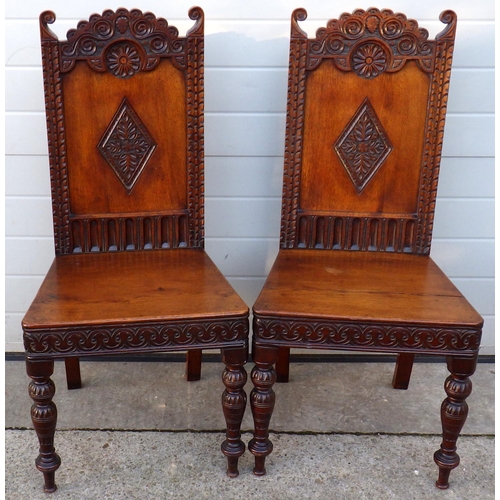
[
  {"x": 124, "y": 106},
  {"x": 365, "y": 118}
]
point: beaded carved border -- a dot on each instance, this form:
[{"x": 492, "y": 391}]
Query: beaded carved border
[
  {"x": 192, "y": 63},
  {"x": 433, "y": 146},
  {"x": 293, "y": 136},
  {"x": 328, "y": 334},
  {"x": 172, "y": 335},
  {"x": 54, "y": 111},
  {"x": 195, "y": 129}
]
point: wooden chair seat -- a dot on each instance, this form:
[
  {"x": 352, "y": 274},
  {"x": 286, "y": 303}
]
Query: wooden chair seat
[
  {"x": 130, "y": 288},
  {"x": 124, "y": 99},
  {"x": 366, "y": 108},
  {"x": 362, "y": 288}
]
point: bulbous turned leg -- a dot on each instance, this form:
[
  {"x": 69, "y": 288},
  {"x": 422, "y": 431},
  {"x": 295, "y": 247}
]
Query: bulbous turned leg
[
  {"x": 454, "y": 412},
  {"x": 262, "y": 399},
  {"x": 234, "y": 401},
  {"x": 44, "y": 417}
]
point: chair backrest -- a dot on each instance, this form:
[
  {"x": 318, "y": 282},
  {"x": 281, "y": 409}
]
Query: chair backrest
[
  {"x": 365, "y": 119},
  {"x": 124, "y": 106}
]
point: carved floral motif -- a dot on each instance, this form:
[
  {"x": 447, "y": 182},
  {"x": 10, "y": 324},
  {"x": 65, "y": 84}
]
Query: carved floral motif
[
  {"x": 402, "y": 40},
  {"x": 126, "y": 145},
  {"x": 369, "y": 60},
  {"x": 393, "y": 38},
  {"x": 363, "y": 146},
  {"x": 123, "y": 60},
  {"x": 89, "y": 42},
  {"x": 93, "y": 40}
]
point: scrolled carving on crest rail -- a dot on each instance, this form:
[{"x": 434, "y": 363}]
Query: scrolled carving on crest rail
[
  {"x": 188, "y": 60},
  {"x": 371, "y": 42},
  {"x": 100, "y": 41},
  {"x": 197, "y": 15},
  {"x": 295, "y": 30},
  {"x": 370, "y": 336}
]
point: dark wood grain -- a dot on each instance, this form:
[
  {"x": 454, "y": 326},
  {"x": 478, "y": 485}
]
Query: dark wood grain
[
  {"x": 124, "y": 97},
  {"x": 365, "y": 123}
]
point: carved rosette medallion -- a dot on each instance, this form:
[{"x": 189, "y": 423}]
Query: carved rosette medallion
[
  {"x": 369, "y": 60},
  {"x": 370, "y": 43},
  {"x": 363, "y": 146},
  {"x": 100, "y": 42},
  {"x": 126, "y": 145},
  {"x": 123, "y": 60}
]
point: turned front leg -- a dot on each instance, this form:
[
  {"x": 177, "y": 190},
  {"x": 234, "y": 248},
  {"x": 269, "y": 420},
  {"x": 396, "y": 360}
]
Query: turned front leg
[
  {"x": 454, "y": 412},
  {"x": 262, "y": 399},
  {"x": 234, "y": 401},
  {"x": 44, "y": 418}
]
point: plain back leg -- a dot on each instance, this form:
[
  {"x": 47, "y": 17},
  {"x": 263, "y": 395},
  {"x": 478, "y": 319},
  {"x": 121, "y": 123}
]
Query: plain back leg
[
  {"x": 402, "y": 371},
  {"x": 73, "y": 374},
  {"x": 193, "y": 365},
  {"x": 283, "y": 365}
]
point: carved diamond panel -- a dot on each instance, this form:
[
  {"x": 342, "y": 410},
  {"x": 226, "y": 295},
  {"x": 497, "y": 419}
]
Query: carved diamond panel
[
  {"x": 363, "y": 146},
  {"x": 127, "y": 145}
]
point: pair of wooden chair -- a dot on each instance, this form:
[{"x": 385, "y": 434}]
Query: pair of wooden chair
[{"x": 365, "y": 118}]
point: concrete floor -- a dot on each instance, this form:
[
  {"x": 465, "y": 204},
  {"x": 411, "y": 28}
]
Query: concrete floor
[{"x": 341, "y": 432}]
